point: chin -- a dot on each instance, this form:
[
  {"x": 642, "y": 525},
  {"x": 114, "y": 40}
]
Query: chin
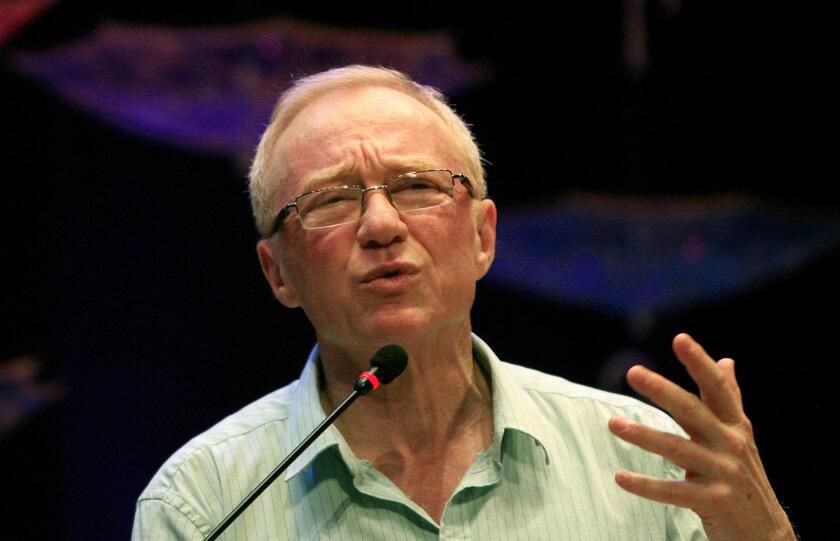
[
  {"x": 408, "y": 325},
  {"x": 399, "y": 323}
]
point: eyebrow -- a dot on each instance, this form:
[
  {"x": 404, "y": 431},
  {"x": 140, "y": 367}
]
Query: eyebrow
[
  {"x": 326, "y": 177},
  {"x": 343, "y": 174}
]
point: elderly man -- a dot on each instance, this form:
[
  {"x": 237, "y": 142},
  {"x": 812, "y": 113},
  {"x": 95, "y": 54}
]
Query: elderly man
[{"x": 369, "y": 193}]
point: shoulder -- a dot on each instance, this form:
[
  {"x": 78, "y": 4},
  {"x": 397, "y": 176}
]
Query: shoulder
[
  {"x": 571, "y": 420},
  {"x": 561, "y": 397},
  {"x": 196, "y": 463}
]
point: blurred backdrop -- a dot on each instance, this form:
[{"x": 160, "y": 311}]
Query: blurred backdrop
[{"x": 659, "y": 166}]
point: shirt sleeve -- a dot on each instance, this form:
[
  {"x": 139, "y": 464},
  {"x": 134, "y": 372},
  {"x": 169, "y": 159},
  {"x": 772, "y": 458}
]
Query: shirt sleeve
[
  {"x": 684, "y": 524},
  {"x": 157, "y": 520}
]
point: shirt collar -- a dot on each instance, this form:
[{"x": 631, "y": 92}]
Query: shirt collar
[
  {"x": 513, "y": 408},
  {"x": 305, "y": 415}
]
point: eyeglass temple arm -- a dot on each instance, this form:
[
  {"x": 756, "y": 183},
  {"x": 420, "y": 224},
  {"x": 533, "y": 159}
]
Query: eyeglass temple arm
[
  {"x": 466, "y": 182},
  {"x": 278, "y": 221}
]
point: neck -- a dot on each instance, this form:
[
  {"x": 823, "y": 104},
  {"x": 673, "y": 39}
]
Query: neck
[{"x": 442, "y": 396}]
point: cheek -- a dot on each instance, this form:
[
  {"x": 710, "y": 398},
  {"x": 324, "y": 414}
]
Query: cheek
[
  {"x": 317, "y": 261},
  {"x": 450, "y": 240}
]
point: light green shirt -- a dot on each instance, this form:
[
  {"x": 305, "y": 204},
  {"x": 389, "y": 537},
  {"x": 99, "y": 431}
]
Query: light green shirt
[{"x": 549, "y": 473}]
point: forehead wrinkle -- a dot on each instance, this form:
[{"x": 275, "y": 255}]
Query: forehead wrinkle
[
  {"x": 392, "y": 165},
  {"x": 318, "y": 178}
]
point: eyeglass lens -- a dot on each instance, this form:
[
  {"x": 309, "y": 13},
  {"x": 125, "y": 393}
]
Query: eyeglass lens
[{"x": 412, "y": 191}]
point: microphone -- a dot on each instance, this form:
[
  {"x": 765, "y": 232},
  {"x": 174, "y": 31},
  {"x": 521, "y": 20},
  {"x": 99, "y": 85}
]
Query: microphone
[{"x": 386, "y": 364}]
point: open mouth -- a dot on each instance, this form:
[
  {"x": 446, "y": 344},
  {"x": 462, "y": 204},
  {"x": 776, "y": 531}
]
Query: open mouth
[{"x": 389, "y": 273}]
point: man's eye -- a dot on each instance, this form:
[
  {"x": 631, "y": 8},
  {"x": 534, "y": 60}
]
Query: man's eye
[
  {"x": 421, "y": 185},
  {"x": 414, "y": 184},
  {"x": 330, "y": 199}
]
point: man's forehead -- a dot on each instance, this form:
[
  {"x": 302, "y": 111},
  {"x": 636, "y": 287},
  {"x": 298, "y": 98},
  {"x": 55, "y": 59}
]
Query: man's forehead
[
  {"x": 359, "y": 104},
  {"x": 365, "y": 111},
  {"x": 331, "y": 136}
]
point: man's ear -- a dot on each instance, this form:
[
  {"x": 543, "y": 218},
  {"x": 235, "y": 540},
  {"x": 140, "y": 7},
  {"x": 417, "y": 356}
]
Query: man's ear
[
  {"x": 485, "y": 236},
  {"x": 275, "y": 274}
]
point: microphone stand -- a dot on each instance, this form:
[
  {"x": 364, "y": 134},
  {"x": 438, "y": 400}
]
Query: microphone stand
[
  {"x": 330, "y": 419},
  {"x": 387, "y": 363}
]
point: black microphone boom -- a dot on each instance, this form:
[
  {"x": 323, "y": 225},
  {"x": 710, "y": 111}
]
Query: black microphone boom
[{"x": 386, "y": 364}]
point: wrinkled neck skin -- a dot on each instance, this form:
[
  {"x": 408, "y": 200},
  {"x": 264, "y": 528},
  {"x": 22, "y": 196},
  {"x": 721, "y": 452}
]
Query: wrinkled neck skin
[{"x": 441, "y": 397}]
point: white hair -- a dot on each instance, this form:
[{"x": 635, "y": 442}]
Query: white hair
[{"x": 305, "y": 91}]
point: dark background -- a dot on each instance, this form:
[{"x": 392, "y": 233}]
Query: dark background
[{"x": 129, "y": 266}]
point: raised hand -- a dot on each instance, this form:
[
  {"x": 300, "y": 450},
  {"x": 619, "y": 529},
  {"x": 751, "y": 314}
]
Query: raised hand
[{"x": 725, "y": 482}]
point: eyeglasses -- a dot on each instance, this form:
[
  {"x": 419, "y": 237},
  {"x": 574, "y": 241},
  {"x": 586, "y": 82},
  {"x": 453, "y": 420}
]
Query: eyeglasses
[{"x": 408, "y": 192}]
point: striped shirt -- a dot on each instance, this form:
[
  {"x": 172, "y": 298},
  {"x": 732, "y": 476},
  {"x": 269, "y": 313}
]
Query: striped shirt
[{"x": 549, "y": 473}]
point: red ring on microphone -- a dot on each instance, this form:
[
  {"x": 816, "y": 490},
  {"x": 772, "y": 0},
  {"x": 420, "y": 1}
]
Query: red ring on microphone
[{"x": 371, "y": 377}]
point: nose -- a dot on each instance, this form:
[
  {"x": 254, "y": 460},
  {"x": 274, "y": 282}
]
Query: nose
[{"x": 381, "y": 223}]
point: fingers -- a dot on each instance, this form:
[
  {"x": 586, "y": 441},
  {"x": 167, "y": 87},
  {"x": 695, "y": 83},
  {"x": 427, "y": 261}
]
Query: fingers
[
  {"x": 685, "y": 453},
  {"x": 686, "y": 409},
  {"x": 712, "y": 379},
  {"x": 725, "y": 482},
  {"x": 678, "y": 493},
  {"x": 728, "y": 367}
]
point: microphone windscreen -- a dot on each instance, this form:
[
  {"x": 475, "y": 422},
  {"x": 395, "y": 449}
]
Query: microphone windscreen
[{"x": 390, "y": 362}]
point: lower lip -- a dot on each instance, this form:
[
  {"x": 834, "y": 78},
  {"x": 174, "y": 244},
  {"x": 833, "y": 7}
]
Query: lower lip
[{"x": 390, "y": 284}]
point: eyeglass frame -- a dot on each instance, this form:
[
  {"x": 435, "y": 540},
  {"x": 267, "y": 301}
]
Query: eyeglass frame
[{"x": 284, "y": 212}]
